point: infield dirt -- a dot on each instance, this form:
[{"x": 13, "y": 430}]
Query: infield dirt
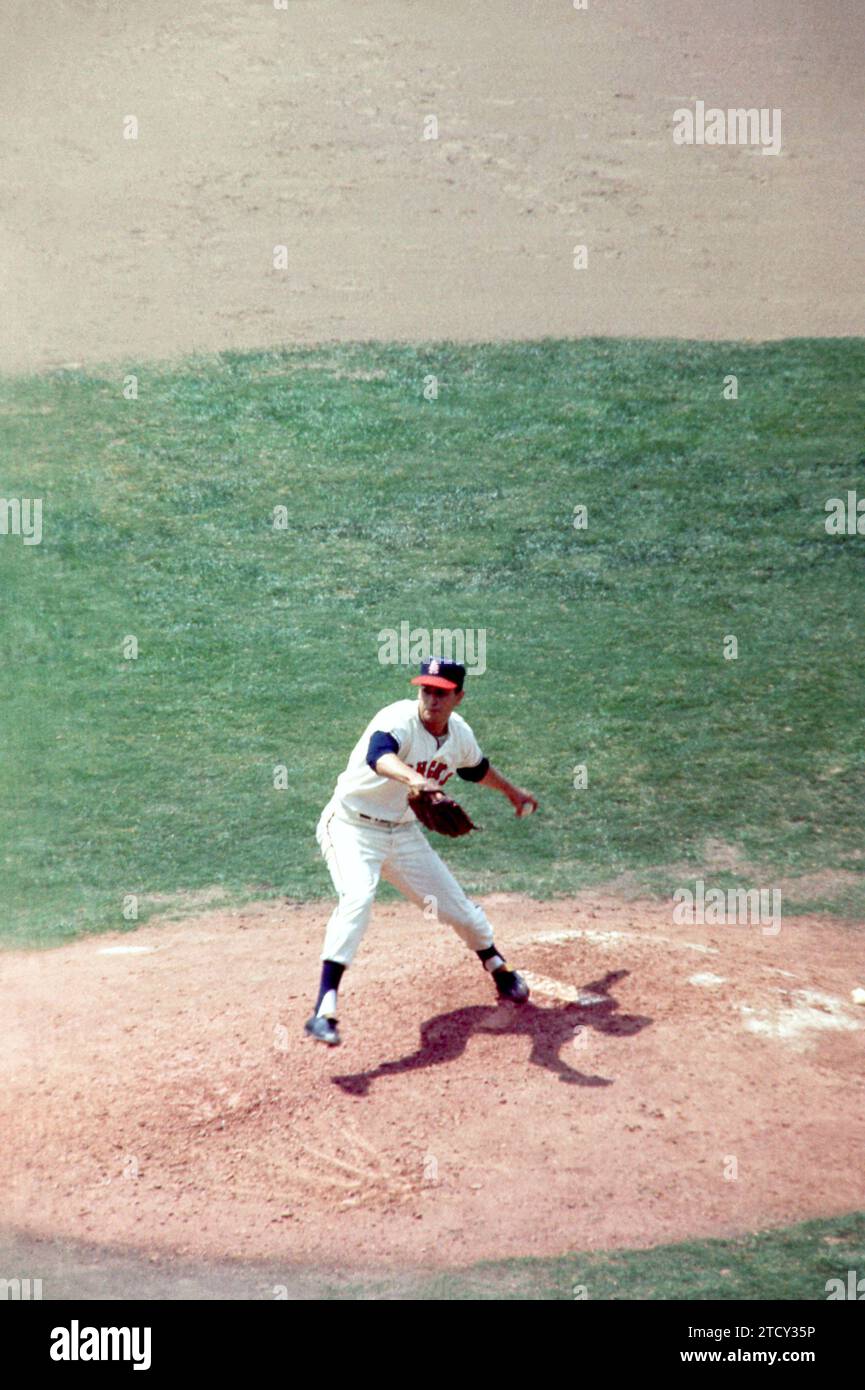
[{"x": 303, "y": 127}]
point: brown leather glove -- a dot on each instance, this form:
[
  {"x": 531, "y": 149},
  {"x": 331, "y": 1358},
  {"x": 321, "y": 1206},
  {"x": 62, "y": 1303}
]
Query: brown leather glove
[{"x": 440, "y": 813}]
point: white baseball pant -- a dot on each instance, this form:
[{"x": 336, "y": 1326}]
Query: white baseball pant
[{"x": 358, "y": 855}]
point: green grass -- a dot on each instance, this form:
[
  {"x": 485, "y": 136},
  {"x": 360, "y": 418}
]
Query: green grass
[
  {"x": 259, "y": 647},
  {"x": 792, "y": 1264}
]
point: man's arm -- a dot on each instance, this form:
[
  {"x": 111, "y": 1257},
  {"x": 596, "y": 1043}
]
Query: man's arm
[
  {"x": 523, "y": 802},
  {"x": 389, "y": 765}
]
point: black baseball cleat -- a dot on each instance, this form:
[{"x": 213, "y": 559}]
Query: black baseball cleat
[
  {"x": 511, "y": 985},
  {"x": 323, "y": 1029}
]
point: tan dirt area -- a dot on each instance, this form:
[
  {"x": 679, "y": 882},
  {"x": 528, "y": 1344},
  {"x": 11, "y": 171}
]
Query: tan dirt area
[
  {"x": 303, "y": 127},
  {"x": 664, "y": 1082}
]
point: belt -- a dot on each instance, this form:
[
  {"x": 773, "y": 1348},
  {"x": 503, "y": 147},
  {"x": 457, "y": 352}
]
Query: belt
[{"x": 389, "y": 824}]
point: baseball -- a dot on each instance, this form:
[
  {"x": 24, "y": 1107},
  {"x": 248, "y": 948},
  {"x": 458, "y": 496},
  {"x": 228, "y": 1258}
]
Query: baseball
[{"x": 859, "y": 995}]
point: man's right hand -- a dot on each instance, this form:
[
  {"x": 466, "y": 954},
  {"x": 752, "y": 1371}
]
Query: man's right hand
[
  {"x": 389, "y": 765},
  {"x": 423, "y": 784}
]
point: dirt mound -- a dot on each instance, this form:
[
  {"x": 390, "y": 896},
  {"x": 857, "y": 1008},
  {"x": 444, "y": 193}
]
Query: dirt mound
[{"x": 663, "y": 1082}]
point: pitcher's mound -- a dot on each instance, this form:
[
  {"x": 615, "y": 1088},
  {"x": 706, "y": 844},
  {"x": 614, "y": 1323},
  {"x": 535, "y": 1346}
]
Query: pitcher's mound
[{"x": 663, "y": 1082}]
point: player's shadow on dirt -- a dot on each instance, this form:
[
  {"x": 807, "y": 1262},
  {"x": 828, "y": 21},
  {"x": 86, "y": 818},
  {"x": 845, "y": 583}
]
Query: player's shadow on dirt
[{"x": 446, "y": 1036}]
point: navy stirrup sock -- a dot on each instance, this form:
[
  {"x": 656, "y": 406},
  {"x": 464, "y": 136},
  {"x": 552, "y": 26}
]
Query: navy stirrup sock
[
  {"x": 331, "y": 974},
  {"x": 492, "y": 959}
]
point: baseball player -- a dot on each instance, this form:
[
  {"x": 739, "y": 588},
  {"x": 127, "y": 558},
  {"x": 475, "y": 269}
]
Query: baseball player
[{"x": 369, "y": 829}]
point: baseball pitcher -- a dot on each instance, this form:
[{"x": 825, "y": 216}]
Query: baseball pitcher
[{"x": 371, "y": 827}]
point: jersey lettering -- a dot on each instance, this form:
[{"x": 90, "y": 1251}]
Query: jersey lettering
[
  {"x": 435, "y": 770},
  {"x": 360, "y": 790}
]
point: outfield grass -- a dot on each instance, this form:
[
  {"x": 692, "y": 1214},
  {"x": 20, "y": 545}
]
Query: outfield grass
[{"x": 259, "y": 647}]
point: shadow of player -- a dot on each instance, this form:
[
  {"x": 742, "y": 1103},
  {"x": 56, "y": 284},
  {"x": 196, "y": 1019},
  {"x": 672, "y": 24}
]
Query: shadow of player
[{"x": 445, "y": 1037}]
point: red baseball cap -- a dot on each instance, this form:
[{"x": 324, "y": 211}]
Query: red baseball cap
[{"x": 444, "y": 675}]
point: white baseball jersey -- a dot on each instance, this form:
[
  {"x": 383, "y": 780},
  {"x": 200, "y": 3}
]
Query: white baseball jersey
[{"x": 362, "y": 791}]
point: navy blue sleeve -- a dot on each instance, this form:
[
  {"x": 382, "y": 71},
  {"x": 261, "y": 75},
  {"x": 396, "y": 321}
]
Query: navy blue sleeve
[
  {"x": 380, "y": 743},
  {"x": 474, "y": 774}
]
